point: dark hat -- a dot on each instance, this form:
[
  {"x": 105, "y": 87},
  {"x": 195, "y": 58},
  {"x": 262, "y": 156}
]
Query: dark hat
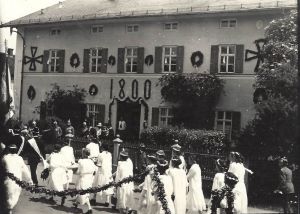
[
  {"x": 162, "y": 163},
  {"x": 160, "y": 153},
  {"x": 142, "y": 145},
  {"x": 99, "y": 125},
  {"x": 124, "y": 153},
  {"x": 221, "y": 164},
  {"x": 57, "y": 148},
  {"x": 176, "y": 147},
  {"x": 176, "y": 161},
  {"x": 231, "y": 179},
  {"x": 151, "y": 157},
  {"x": 12, "y": 148},
  {"x": 69, "y": 134}
]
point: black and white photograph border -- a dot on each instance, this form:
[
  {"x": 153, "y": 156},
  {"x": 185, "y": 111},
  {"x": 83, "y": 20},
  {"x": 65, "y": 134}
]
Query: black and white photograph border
[{"x": 149, "y": 107}]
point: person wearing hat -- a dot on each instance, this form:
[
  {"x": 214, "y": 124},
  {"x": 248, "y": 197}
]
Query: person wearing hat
[
  {"x": 67, "y": 152},
  {"x": 99, "y": 130},
  {"x": 70, "y": 127},
  {"x": 13, "y": 163},
  {"x": 125, "y": 191},
  {"x": 140, "y": 159},
  {"x": 58, "y": 171},
  {"x": 104, "y": 175},
  {"x": 160, "y": 155},
  {"x": 57, "y": 130},
  {"x": 86, "y": 170},
  {"x": 94, "y": 147},
  {"x": 286, "y": 186},
  {"x": 84, "y": 130},
  {"x": 166, "y": 180},
  {"x": 180, "y": 184},
  {"x": 176, "y": 151}
]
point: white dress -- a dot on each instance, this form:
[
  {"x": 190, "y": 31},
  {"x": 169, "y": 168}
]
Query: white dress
[
  {"x": 68, "y": 153},
  {"x": 58, "y": 172},
  {"x": 195, "y": 198},
  {"x": 150, "y": 201},
  {"x": 104, "y": 173},
  {"x": 14, "y": 163},
  {"x": 240, "y": 188},
  {"x": 94, "y": 150},
  {"x": 180, "y": 185},
  {"x": 86, "y": 169},
  {"x": 125, "y": 192},
  {"x": 218, "y": 184},
  {"x": 168, "y": 186}
]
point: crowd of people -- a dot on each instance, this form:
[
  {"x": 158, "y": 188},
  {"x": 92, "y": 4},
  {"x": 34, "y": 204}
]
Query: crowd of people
[{"x": 180, "y": 175}]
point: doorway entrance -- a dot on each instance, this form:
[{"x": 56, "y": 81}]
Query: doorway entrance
[{"x": 130, "y": 112}]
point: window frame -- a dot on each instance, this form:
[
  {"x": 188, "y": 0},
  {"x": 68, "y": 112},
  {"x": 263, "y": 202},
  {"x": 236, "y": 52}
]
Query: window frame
[
  {"x": 97, "y": 57},
  {"x": 170, "y": 56},
  {"x": 133, "y": 27},
  {"x": 56, "y": 30},
  {"x": 171, "y": 26},
  {"x": 56, "y": 59},
  {"x": 227, "y": 55},
  {"x": 98, "y": 27},
  {"x": 228, "y": 23},
  {"x": 95, "y": 119},
  {"x": 224, "y": 120},
  {"x": 131, "y": 57},
  {"x": 167, "y": 117}
]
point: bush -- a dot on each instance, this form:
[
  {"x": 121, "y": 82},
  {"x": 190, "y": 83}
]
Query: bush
[{"x": 206, "y": 140}]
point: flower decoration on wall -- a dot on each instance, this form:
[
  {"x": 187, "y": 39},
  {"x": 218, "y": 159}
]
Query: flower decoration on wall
[
  {"x": 93, "y": 90},
  {"x": 111, "y": 60},
  {"x": 33, "y": 59},
  {"x": 31, "y": 92},
  {"x": 74, "y": 60},
  {"x": 197, "y": 59},
  {"x": 149, "y": 60}
]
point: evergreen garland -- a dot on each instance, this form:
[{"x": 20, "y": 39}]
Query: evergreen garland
[{"x": 218, "y": 195}]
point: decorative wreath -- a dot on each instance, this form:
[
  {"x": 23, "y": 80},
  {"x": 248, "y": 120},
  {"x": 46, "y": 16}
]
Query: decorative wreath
[
  {"x": 149, "y": 60},
  {"x": 74, "y": 60},
  {"x": 93, "y": 90},
  {"x": 197, "y": 58},
  {"x": 111, "y": 60},
  {"x": 31, "y": 92}
]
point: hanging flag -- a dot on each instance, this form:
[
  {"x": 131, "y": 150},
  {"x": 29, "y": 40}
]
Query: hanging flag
[{"x": 6, "y": 93}]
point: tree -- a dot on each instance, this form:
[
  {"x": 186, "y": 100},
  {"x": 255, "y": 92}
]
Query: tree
[
  {"x": 195, "y": 96},
  {"x": 67, "y": 104}
]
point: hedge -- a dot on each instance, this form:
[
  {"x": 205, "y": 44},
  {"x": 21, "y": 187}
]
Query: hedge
[{"x": 209, "y": 141}]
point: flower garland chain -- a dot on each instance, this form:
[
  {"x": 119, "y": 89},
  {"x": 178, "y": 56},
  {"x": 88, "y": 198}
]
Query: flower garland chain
[
  {"x": 74, "y": 192},
  {"x": 160, "y": 191},
  {"x": 218, "y": 195}
]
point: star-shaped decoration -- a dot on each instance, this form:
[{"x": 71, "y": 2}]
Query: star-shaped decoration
[
  {"x": 33, "y": 59},
  {"x": 256, "y": 54}
]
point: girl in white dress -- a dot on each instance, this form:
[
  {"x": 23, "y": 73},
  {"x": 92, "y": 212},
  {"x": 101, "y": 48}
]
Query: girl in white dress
[
  {"x": 125, "y": 192},
  {"x": 180, "y": 186},
  {"x": 162, "y": 167},
  {"x": 68, "y": 152},
  {"x": 86, "y": 170},
  {"x": 104, "y": 174},
  {"x": 14, "y": 164},
  {"x": 195, "y": 199},
  {"x": 237, "y": 168}
]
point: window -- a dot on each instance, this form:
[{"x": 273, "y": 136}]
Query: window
[
  {"x": 166, "y": 116},
  {"x": 227, "y": 58},
  {"x": 228, "y": 23},
  {"x": 93, "y": 113},
  {"x": 131, "y": 59},
  {"x": 95, "y": 60},
  {"x": 54, "y": 60},
  {"x": 169, "y": 59},
  {"x": 224, "y": 123},
  {"x": 54, "y": 32},
  {"x": 132, "y": 28},
  {"x": 171, "y": 26},
  {"x": 96, "y": 29}
]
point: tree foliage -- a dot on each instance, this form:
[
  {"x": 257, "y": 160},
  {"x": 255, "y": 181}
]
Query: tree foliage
[
  {"x": 67, "y": 104},
  {"x": 196, "y": 95}
]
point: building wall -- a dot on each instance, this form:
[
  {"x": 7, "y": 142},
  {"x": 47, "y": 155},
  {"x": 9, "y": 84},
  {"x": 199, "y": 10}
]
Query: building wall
[{"x": 195, "y": 34}]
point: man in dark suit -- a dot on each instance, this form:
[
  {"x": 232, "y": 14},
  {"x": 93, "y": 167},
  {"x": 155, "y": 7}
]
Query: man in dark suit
[{"x": 286, "y": 186}]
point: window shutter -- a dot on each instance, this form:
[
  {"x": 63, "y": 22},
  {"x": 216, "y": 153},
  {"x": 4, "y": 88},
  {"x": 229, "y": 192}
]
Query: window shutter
[
  {"x": 239, "y": 59},
  {"x": 236, "y": 124},
  {"x": 43, "y": 110},
  {"x": 86, "y": 60},
  {"x": 45, "y": 61},
  {"x": 61, "y": 55},
  {"x": 140, "y": 60},
  {"x": 158, "y": 60},
  {"x": 104, "y": 53},
  {"x": 83, "y": 112},
  {"x": 155, "y": 116},
  {"x": 121, "y": 56},
  {"x": 102, "y": 113},
  {"x": 214, "y": 59},
  {"x": 179, "y": 59}
]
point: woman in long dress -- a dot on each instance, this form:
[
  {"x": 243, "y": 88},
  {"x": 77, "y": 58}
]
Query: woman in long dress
[
  {"x": 195, "y": 199},
  {"x": 125, "y": 191},
  {"x": 166, "y": 180},
  {"x": 237, "y": 168},
  {"x": 14, "y": 164},
  {"x": 180, "y": 184},
  {"x": 86, "y": 170},
  {"x": 68, "y": 152},
  {"x": 104, "y": 174}
]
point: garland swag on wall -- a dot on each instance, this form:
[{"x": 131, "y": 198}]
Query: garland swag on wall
[
  {"x": 74, "y": 60},
  {"x": 197, "y": 59},
  {"x": 149, "y": 60}
]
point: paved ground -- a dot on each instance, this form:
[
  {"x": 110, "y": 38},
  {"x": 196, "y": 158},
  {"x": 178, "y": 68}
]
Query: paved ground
[{"x": 36, "y": 204}]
